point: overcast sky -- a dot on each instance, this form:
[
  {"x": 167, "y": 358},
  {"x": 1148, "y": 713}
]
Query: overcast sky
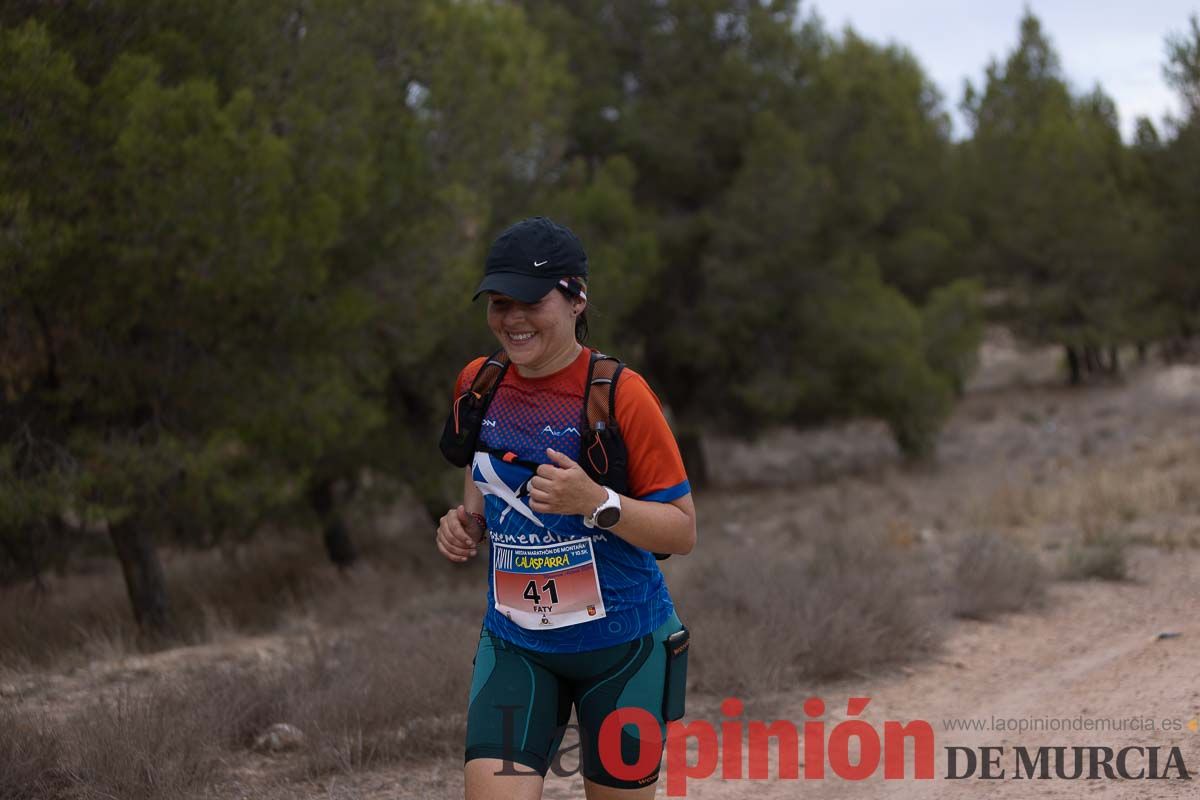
[{"x": 1118, "y": 44}]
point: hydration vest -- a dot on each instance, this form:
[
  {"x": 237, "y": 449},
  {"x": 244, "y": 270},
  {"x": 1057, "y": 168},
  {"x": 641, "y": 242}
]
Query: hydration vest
[{"x": 602, "y": 452}]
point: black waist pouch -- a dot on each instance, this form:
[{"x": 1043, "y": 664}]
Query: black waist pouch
[{"x": 675, "y": 688}]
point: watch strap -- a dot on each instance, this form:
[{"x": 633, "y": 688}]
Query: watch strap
[{"x": 611, "y": 500}]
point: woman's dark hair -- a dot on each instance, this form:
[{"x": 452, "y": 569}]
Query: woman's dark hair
[
  {"x": 581, "y": 327},
  {"x": 581, "y": 321}
]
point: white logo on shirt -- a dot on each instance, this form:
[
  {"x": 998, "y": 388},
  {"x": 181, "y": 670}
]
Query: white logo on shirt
[{"x": 563, "y": 432}]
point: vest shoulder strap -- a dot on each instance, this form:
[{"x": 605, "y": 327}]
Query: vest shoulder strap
[
  {"x": 601, "y": 390},
  {"x": 490, "y": 374}
]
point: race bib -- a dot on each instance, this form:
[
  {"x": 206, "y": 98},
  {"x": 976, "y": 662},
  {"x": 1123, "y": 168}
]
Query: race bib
[{"x": 547, "y": 586}]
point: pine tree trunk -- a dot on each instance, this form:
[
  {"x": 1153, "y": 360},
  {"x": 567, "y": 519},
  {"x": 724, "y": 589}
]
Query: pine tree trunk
[
  {"x": 144, "y": 577},
  {"x": 338, "y": 544},
  {"x": 21, "y": 550},
  {"x": 1114, "y": 360},
  {"x": 1073, "y": 365}
]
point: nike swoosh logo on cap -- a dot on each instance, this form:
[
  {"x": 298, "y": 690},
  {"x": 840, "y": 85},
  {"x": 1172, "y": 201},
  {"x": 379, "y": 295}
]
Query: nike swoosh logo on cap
[{"x": 541, "y": 263}]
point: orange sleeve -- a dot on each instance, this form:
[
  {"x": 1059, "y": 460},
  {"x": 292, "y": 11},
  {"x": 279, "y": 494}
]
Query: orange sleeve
[
  {"x": 463, "y": 381},
  {"x": 655, "y": 466}
]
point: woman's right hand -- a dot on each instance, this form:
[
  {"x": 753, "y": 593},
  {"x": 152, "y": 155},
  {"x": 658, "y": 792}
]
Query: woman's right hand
[{"x": 458, "y": 535}]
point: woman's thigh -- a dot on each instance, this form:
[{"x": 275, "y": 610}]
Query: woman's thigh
[
  {"x": 486, "y": 779},
  {"x": 636, "y": 685},
  {"x": 516, "y": 716}
]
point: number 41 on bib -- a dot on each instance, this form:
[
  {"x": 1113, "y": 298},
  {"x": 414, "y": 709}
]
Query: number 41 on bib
[{"x": 548, "y": 586}]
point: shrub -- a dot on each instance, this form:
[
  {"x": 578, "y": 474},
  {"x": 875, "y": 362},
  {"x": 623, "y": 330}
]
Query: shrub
[
  {"x": 993, "y": 574},
  {"x": 1103, "y": 555},
  {"x": 850, "y": 602}
]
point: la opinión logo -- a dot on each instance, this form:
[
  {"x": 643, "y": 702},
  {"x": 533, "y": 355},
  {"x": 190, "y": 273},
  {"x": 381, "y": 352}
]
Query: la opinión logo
[{"x": 853, "y": 749}]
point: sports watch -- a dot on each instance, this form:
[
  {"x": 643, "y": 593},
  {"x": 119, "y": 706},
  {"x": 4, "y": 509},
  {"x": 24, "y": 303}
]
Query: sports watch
[{"x": 607, "y": 513}]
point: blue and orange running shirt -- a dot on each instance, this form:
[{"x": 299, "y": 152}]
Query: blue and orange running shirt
[{"x": 613, "y": 591}]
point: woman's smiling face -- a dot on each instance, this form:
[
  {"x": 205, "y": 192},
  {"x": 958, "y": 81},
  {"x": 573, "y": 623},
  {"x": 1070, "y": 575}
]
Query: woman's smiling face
[{"x": 539, "y": 337}]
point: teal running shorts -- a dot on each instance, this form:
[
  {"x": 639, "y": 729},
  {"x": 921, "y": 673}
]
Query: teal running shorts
[{"x": 521, "y": 702}]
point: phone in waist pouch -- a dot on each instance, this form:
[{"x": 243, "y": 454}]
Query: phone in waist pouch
[{"x": 675, "y": 688}]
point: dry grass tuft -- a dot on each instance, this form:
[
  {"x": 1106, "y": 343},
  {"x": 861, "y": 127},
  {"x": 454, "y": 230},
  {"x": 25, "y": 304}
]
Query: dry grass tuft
[
  {"x": 1102, "y": 521},
  {"x": 849, "y": 602},
  {"x": 1009, "y": 505},
  {"x": 30, "y": 754},
  {"x": 41, "y": 629},
  {"x": 1101, "y": 555},
  {"x": 991, "y": 574},
  {"x": 391, "y": 694}
]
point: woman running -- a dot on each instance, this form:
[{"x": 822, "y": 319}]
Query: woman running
[{"x": 578, "y": 611}]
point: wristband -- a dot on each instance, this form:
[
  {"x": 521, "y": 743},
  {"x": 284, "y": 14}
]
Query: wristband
[{"x": 482, "y": 522}]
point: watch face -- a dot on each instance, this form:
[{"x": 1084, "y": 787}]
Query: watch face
[{"x": 608, "y": 517}]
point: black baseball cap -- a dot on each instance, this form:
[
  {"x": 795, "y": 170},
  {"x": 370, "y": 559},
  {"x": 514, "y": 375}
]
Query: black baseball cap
[{"x": 532, "y": 257}]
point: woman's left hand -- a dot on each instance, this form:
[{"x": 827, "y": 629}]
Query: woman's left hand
[{"x": 564, "y": 488}]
